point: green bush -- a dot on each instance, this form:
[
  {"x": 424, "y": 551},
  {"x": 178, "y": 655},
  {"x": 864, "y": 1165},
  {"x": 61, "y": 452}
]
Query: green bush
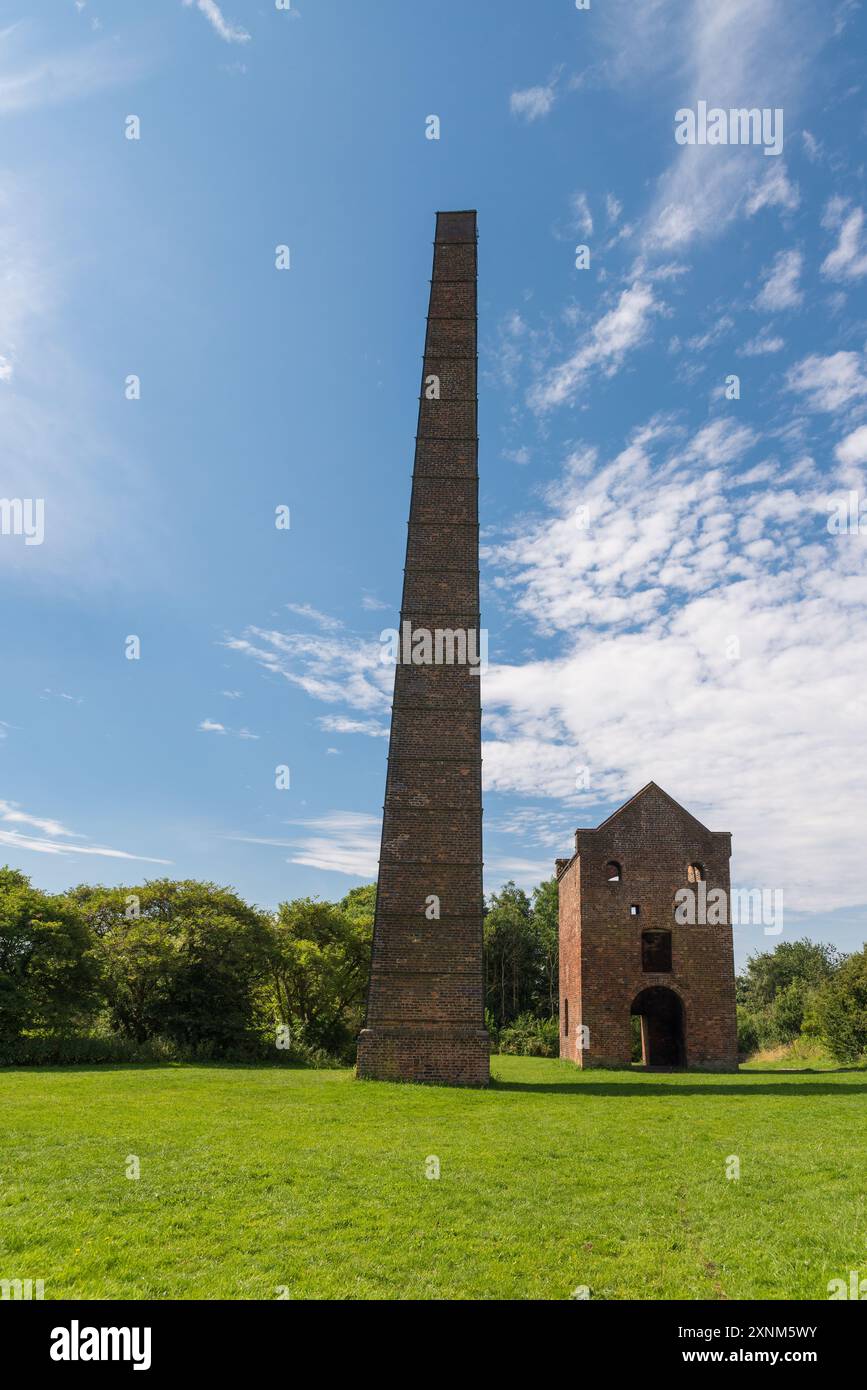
[
  {"x": 749, "y": 1032},
  {"x": 529, "y": 1036},
  {"x": 49, "y": 979},
  {"x": 95, "y": 1048},
  {"x": 842, "y": 1009}
]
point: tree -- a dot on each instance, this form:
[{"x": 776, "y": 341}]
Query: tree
[
  {"x": 319, "y": 965},
  {"x": 545, "y": 912},
  {"x": 512, "y": 955},
  {"x": 182, "y": 960},
  {"x": 808, "y": 963},
  {"x": 777, "y": 992},
  {"x": 842, "y": 1009},
  {"x": 360, "y": 904},
  {"x": 48, "y": 973}
]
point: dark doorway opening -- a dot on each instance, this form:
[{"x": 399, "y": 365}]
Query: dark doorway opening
[{"x": 662, "y": 1032}]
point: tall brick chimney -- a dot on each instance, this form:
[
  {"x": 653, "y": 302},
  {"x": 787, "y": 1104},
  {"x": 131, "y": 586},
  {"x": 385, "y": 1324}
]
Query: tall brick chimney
[{"x": 425, "y": 1009}]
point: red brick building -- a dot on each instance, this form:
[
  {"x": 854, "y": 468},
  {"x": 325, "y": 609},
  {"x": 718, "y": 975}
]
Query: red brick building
[{"x": 623, "y": 953}]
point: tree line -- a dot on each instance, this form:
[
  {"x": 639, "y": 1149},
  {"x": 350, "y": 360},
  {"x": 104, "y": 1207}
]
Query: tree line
[
  {"x": 186, "y": 970},
  {"x": 179, "y": 969}
]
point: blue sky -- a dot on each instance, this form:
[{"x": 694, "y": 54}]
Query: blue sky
[{"x": 663, "y": 594}]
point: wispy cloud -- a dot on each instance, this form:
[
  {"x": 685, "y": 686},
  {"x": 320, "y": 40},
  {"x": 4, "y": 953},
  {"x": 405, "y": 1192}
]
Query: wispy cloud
[
  {"x": 773, "y": 190},
  {"x": 829, "y": 383},
  {"x": 582, "y": 214},
  {"x": 709, "y": 622},
  {"x": 55, "y": 838},
  {"x": 305, "y": 610},
  {"x": 615, "y": 334},
  {"x": 231, "y": 33},
  {"x": 338, "y": 724},
  {"x": 211, "y": 726},
  {"x": 762, "y": 344},
  {"x": 532, "y": 103},
  {"x": 848, "y": 260},
  {"x": 343, "y": 842},
  {"x": 781, "y": 289},
  {"x": 328, "y": 668},
  {"x": 741, "y": 53}
]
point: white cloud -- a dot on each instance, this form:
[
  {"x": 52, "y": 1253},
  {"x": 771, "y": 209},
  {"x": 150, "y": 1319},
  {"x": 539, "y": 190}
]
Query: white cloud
[
  {"x": 712, "y": 335},
  {"x": 304, "y": 610},
  {"x": 829, "y": 383},
  {"x": 781, "y": 289},
  {"x": 764, "y": 342},
  {"x": 721, "y": 442},
  {"x": 231, "y": 33},
  {"x": 10, "y": 813},
  {"x": 211, "y": 726},
  {"x": 55, "y": 838},
  {"x": 732, "y": 54},
  {"x": 613, "y": 335},
  {"x": 582, "y": 214},
  {"x": 773, "y": 190},
  {"x": 343, "y": 842},
  {"x": 683, "y": 553},
  {"x": 848, "y": 260},
  {"x": 812, "y": 146},
  {"x": 534, "y": 102},
  {"x": 328, "y": 668},
  {"x": 853, "y": 449},
  {"x": 338, "y": 724}
]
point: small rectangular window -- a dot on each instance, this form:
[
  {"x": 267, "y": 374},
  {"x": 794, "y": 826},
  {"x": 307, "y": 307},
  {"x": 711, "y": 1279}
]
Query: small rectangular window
[
  {"x": 566, "y": 1017},
  {"x": 633, "y": 911},
  {"x": 656, "y": 952}
]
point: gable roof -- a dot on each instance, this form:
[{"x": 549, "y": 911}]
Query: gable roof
[{"x": 645, "y": 791}]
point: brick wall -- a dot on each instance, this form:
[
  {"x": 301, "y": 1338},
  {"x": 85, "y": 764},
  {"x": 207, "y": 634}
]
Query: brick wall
[
  {"x": 425, "y": 1012},
  {"x": 654, "y": 840}
]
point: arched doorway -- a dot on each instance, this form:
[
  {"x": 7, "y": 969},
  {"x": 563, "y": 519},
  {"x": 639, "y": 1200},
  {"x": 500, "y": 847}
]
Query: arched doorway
[{"x": 662, "y": 1033}]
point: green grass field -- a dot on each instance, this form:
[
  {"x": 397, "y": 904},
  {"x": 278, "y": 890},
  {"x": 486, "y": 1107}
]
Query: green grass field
[{"x": 253, "y": 1179}]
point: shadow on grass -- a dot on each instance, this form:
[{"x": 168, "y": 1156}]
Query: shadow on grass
[
  {"x": 651, "y": 1091},
  {"x": 43, "y": 1068}
]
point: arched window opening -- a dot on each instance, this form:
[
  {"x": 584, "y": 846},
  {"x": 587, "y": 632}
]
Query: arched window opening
[
  {"x": 613, "y": 871},
  {"x": 695, "y": 873}
]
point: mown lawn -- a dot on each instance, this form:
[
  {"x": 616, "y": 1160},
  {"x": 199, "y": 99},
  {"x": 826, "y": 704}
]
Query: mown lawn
[{"x": 256, "y": 1179}]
